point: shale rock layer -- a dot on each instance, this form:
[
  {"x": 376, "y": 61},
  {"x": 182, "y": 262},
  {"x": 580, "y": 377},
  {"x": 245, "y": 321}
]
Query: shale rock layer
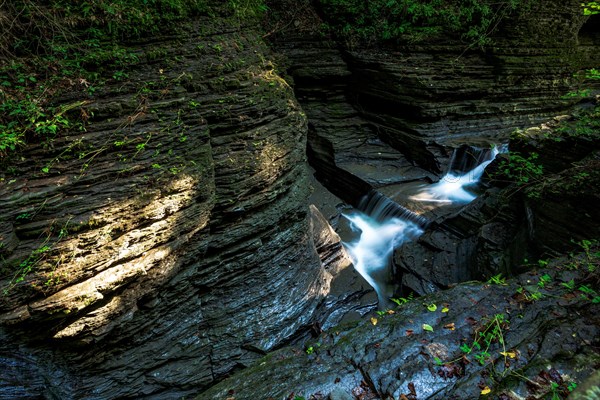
[{"x": 170, "y": 242}]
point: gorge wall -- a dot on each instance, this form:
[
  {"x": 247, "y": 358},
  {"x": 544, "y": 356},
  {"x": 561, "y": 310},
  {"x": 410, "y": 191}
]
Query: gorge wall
[
  {"x": 394, "y": 114},
  {"x": 169, "y": 242},
  {"x": 423, "y": 99}
]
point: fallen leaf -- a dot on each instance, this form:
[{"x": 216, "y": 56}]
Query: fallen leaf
[
  {"x": 449, "y": 326},
  {"x": 411, "y": 388},
  {"x": 453, "y": 370},
  {"x": 510, "y": 354},
  {"x": 427, "y": 327},
  {"x": 409, "y": 332},
  {"x": 445, "y": 309},
  {"x": 486, "y": 390},
  {"x": 374, "y": 320},
  {"x": 390, "y": 312},
  {"x": 432, "y": 307}
]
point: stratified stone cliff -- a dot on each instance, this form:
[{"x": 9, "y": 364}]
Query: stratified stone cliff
[
  {"x": 381, "y": 105},
  {"x": 393, "y": 113},
  {"x": 170, "y": 242},
  {"x": 538, "y": 350}
]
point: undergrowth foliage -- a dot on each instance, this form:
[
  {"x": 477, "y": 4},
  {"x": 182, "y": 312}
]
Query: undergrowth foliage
[
  {"x": 57, "y": 45},
  {"x": 31, "y": 25},
  {"x": 53, "y": 46},
  {"x": 472, "y": 21}
]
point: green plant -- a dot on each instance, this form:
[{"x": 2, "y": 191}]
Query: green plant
[
  {"x": 544, "y": 280},
  {"x": 497, "y": 280},
  {"x": 592, "y": 258},
  {"x": 586, "y": 124},
  {"x": 413, "y": 19},
  {"x": 39, "y": 255},
  {"x": 71, "y": 45},
  {"x": 570, "y": 285},
  {"x": 311, "y": 349},
  {"x": 20, "y": 118},
  {"x": 577, "y": 94},
  {"x": 248, "y": 9},
  {"x": 589, "y": 294},
  {"x": 534, "y": 296},
  {"x": 403, "y": 300},
  {"x": 592, "y": 73},
  {"x": 489, "y": 333},
  {"x": 521, "y": 170},
  {"x": 591, "y": 8}
]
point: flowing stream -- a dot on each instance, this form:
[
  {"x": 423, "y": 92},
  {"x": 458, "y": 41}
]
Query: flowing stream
[
  {"x": 380, "y": 225},
  {"x": 453, "y": 188}
]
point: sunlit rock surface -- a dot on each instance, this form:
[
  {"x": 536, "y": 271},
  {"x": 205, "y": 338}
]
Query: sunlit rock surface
[{"x": 171, "y": 242}]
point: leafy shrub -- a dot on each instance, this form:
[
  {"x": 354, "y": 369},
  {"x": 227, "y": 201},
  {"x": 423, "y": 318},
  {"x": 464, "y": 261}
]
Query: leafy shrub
[
  {"x": 67, "y": 45},
  {"x": 520, "y": 168},
  {"x": 591, "y": 8},
  {"x": 471, "y": 20}
]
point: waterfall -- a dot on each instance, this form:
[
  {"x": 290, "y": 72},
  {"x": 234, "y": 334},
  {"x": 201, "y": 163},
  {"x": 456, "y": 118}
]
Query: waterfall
[
  {"x": 382, "y": 208},
  {"x": 465, "y": 170},
  {"x": 381, "y": 225}
]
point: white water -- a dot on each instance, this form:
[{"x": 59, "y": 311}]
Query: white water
[
  {"x": 384, "y": 228},
  {"x": 453, "y": 187},
  {"x": 372, "y": 251}
]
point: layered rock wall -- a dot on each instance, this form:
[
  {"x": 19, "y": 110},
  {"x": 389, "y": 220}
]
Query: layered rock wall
[
  {"x": 425, "y": 98},
  {"x": 168, "y": 243}
]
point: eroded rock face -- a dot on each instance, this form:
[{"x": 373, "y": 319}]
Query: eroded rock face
[
  {"x": 170, "y": 243},
  {"x": 486, "y": 237},
  {"x": 531, "y": 218},
  {"x": 394, "y": 114},
  {"x": 385, "y": 116},
  {"x": 416, "y": 352}
]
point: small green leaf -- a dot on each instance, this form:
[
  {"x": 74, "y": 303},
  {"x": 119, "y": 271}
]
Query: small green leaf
[
  {"x": 427, "y": 327},
  {"x": 432, "y": 307}
]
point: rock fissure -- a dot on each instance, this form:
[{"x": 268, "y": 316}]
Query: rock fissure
[{"x": 172, "y": 244}]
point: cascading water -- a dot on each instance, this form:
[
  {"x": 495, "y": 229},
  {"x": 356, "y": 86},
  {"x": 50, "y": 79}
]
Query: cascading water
[
  {"x": 383, "y": 225},
  {"x": 453, "y": 187}
]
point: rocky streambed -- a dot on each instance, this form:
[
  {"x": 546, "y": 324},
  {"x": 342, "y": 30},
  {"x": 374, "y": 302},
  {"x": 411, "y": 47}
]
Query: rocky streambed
[
  {"x": 476, "y": 340},
  {"x": 180, "y": 238}
]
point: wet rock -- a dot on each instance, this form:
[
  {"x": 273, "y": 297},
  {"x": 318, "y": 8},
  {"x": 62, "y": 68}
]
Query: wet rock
[
  {"x": 349, "y": 296},
  {"x": 170, "y": 243},
  {"x": 396, "y": 356},
  {"x": 484, "y": 238}
]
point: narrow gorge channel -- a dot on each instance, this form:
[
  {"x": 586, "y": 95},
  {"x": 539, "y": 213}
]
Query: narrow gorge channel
[
  {"x": 299, "y": 200},
  {"x": 379, "y": 225}
]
